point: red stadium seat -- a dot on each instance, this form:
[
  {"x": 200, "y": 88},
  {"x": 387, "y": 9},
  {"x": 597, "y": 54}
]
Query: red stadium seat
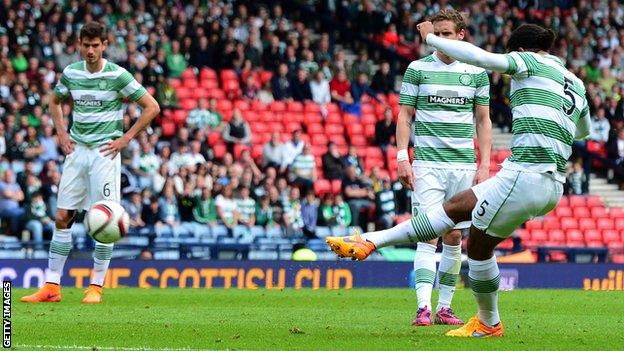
[
  {"x": 506, "y": 244},
  {"x": 556, "y": 237},
  {"x": 322, "y": 187},
  {"x": 594, "y": 201},
  {"x": 201, "y": 93},
  {"x": 348, "y": 119},
  {"x": 216, "y": 93},
  {"x": 576, "y": 201},
  {"x": 564, "y": 201},
  {"x": 563, "y": 211},
  {"x": 292, "y": 126},
  {"x": 208, "y": 84},
  {"x": 265, "y": 76},
  {"x": 358, "y": 140},
  {"x": 168, "y": 128},
  {"x": 550, "y": 224},
  {"x": 574, "y": 237},
  {"x": 581, "y": 212},
  {"x": 533, "y": 224},
  {"x": 334, "y": 129},
  {"x": 616, "y": 212},
  {"x": 593, "y": 238},
  {"x": 367, "y": 109},
  {"x": 599, "y": 212},
  {"x": 184, "y": 93},
  {"x": 207, "y": 74},
  {"x": 316, "y": 128},
  {"x": 587, "y": 223},
  {"x": 238, "y": 149},
  {"x": 242, "y": 105},
  {"x": 333, "y": 118},
  {"x": 312, "y": 107},
  {"x": 369, "y": 131},
  {"x": 619, "y": 224},
  {"x": 294, "y": 106},
  {"x": 568, "y": 223},
  {"x": 256, "y": 152},
  {"x": 191, "y": 83},
  {"x": 219, "y": 150},
  {"x": 188, "y": 104},
  {"x": 312, "y": 117},
  {"x": 278, "y": 106},
  {"x": 355, "y": 129},
  {"x": 368, "y": 119},
  {"x": 336, "y": 186},
  {"x": 228, "y": 74},
  {"x": 224, "y": 105},
  {"x": 539, "y": 236},
  {"x": 605, "y": 223},
  {"x": 611, "y": 236}
]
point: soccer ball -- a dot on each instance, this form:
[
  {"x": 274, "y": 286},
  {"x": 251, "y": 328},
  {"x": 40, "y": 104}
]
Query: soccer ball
[{"x": 106, "y": 221}]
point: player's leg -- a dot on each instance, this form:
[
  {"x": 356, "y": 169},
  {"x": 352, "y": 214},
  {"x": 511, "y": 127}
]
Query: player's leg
[
  {"x": 71, "y": 196},
  {"x": 450, "y": 262},
  {"x": 429, "y": 190},
  {"x": 509, "y": 201},
  {"x": 104, "y": 184}
]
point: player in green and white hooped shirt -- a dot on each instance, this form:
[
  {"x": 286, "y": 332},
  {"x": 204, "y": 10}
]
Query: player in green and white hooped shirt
[
  {"x": 92, "y": 167},
  {"x": 549, "y": 111},
  {"x": 444, "y": 97}
]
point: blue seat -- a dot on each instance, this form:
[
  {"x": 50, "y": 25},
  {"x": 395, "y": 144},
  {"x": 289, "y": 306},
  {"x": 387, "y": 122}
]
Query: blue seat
[
  {"x": 323, "y": 232},
  {"x": 339, "y": 231},
  {"x": 219, "y": 230},
  {"x": 257, "y": 231}
]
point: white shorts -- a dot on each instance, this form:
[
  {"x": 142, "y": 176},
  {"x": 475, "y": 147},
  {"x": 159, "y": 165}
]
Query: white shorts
[
  {"x": 433, "y": 186},
  {"x": 510, "y": 198},
  {"x": 88, "y": 177}
]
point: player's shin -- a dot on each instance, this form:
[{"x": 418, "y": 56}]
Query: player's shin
[
  {"x": 424, "y": 273},
  {"x": 59, "y": 250},
  {"x": 450, "y": 264},
  {"x": 101, "y": 260},
  {"x": 423, "y": 227},
  {"x": 484, "y": 280}
]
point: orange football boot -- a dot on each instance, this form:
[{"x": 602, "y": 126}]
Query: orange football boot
[
  {"x": 93, "y": 294},
  {"x": 50, "y": 292},
  {"x": 351, "y": 246},
  {"x": 475, "y": 329}
]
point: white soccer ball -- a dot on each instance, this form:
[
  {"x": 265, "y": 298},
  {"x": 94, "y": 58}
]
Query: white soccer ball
[{"x": 106, "y": 221}]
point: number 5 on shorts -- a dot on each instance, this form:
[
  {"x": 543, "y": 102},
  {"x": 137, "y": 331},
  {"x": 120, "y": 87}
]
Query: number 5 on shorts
[{"x": 481, "y": 211}]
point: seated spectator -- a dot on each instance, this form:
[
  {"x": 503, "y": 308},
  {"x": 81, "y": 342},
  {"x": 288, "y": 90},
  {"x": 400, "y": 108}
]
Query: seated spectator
[
  {"x": 300, "y": 87},
  {"x": 282, "y": 87},
  {"x": 333, "y": 167},
  {"x": 264, "y": 212},
  {"x": 319, "y": 87},
  {"x": 576, "y": 178},
  {"x": 358, "y": 195},
  {"x": 151, "y": 214},
  {"x": 308, "y": 64},
  {"x": 176, "y": 63},
  {"x": 390, "y": 37},
  {"x": 49, "y": 145},
  {"x": 360, "y": 87},
  {"x": 10, "y": 196},
  {"x": 186, "y": 204},
  {"x": 205, "y": 116},
  {"x": 197, "y": 158},
  {"x": 169, "y": 216},
  {"x": 600, "y": 127},
  {"x": 134, "y": 208},
  {"x": 326, "y": 215},
  {"x": 38, "y": 220},
  {"x": 293, "y": 220},
  {"x": 246, "y": 208},
  {"x": 205, "y": 210},
  {"x": 250, "y": 88},
  {"x": 309, "y": 214},
  {"x": 272, "y": 153},
  {"x": 236, "y": 132},
  {"x": 265, "y": 95},
  {"x": 383, "y": 81},
  {"x": 165, "y": 94},
  {"x": 227, "y": 211},
  {"x": 385, "y": 205},
  {"x": 340, "y": 89},
  {"x": 342, "y": 211},
  {"x": 385, "y": 130},
  {"x": 291, "y": 149},
  {"x": 181, "y": 158},
  {"x": 352, "y": 159},
  {"x": 303, "y": 169},
  {"x": 362, "y": 65}
]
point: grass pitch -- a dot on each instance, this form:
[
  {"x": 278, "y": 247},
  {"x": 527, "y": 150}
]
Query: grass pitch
[{"x": 359, "y": 319}]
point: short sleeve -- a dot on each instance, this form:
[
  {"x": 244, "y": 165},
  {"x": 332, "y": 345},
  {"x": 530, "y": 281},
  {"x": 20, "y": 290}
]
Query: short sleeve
[
  {"x": 129, "y": 87},
  {"x": 482, "y": 92},
  {"x": 410, "y": 86},
  {"x": 518, "y": 64},
  {"x": 583, "y": 126},
  {"x": 62, "y": 87}
]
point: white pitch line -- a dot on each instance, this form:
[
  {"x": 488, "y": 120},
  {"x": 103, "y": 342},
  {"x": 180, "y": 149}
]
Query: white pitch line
[{"x": 105, "y": 348}]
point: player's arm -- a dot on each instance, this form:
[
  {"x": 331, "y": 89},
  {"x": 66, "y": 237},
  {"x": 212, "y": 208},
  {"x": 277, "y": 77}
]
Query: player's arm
[
  {"x": 403, "y": 130},
  {"x": 56, "y": 112},
  {"x": 464, "y": 51},
  {"x": 132, "y": 90},
  {"x": 484, "y": 126},
  {"x": 583, "y": 126}
]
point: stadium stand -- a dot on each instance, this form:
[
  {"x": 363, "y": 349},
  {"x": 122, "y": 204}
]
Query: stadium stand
[{"x": 206, "y": 64}]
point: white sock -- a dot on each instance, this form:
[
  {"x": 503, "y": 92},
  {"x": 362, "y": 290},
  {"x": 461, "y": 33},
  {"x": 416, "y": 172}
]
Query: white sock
[
  {"x": 60, "y": 246},
  {"x": 421, "y": 228},
  {"x": 450, "y": 264},
  {"x": 101, "y": 259},
  {"x": 484, "y": 280},
  {"x": 424, "y": 269}
]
